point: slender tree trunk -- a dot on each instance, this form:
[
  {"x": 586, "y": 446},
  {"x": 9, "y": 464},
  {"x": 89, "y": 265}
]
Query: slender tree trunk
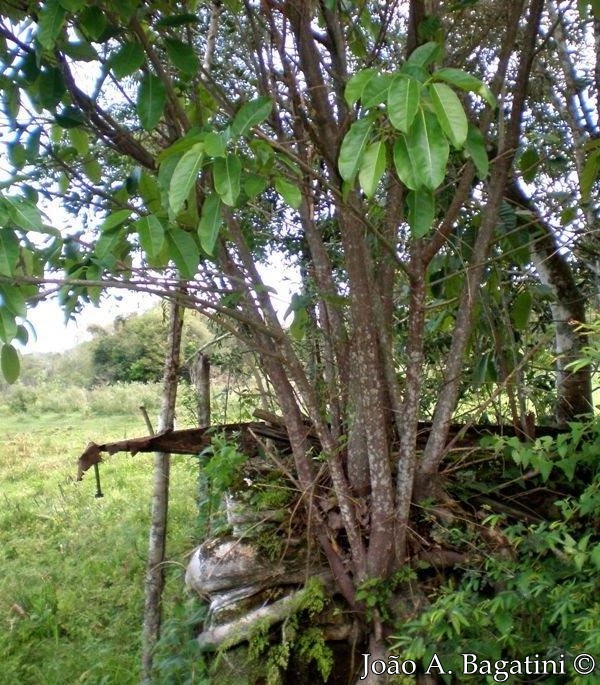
[{"x": 160, "y": 499}]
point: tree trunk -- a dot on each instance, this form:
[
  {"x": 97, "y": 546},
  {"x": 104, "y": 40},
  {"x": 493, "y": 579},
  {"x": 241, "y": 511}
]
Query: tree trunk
[{"x": 154, "y": 582}]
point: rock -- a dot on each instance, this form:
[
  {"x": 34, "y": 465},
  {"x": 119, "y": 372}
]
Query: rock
[{"x": 228, "y": 563}]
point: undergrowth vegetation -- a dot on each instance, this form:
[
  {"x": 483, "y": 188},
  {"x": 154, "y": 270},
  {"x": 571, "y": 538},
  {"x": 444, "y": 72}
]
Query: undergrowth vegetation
[{"x": 72, "y": 567}]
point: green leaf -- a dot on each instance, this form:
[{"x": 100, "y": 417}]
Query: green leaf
[
  {"x": 403, "y": 102},
  {"x": 183, "y": 250},
  {"x": 522, "y": 309},
  {"x": 353, "y": 148},
  {"x": 73, "y": 5},
  {"x": 376, "y": 90},
  {"x": 93, "y": 169},
  {"x": 464, "y": 81},
  {"x": 182, "y": 56},
  {"x": 8, "y": 325},
  {"x": 50, "y": 22},
  {"x": 450, "y": 113},
  {"x": 11, "y": 366},
  {"x": 108, "y": 245},
  {"x": 127, "y": 60},
  {"x": 13, "y": 299},
  {"x": 69, "y": 117},
  {"x": 50, "y": 87},
  {"x": 10, "y": 96},
  {"x": 114, "y": 219},
  {"x": 226, "y": 177},
  {"x": 151, "y": 101},
  {"x": 25, "y": 215},
  {"x": 81, "y": 51},
  {"x": 356, "y": 85},
  {"x": 9, "y": 251},
  {"x": 251, "y": 114},
  {"x": 421, "y": 212},
  {"x": 254, "y": 185},
  {"x": 93, "y": 22},
  {"x": 151, "y": 233},
  {"x": 178, "y": 20},
  {"x": 80, "y": 141},
  {"x": 589, "y": 174},
  {"x": 210, "y": 223},
  {"x": 404, "y": 164},
  {"x": 17, "y": 154},
  {"x": 215, "y": 144},
  {"x": 373, "y": 167},
  {"x": 425, "y": 54},
  {"x": 475, "y": 147},
  {"x": 528, "y": 164},
  {"x": 428, "y": 150},
  {"x": 22, "y": 335},
  {"x": 184, "y": 177},
  {"x": 290, "y": 192}
]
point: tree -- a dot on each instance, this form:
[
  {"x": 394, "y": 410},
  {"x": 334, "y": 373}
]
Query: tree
[
  {"x": 135, "y": 349},
  {"x": 374, "y": 145}
]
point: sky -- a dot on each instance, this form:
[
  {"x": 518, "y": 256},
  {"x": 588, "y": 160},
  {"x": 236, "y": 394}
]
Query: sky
[{"x": 54, "y": 335}]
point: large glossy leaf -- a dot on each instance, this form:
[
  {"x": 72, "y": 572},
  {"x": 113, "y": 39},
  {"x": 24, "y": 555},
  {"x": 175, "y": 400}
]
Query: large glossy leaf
[
  {"x": 184, "y": 177},
  {"x": 11, "y": 366},
  {"x": 114, "y": 219},
  {"x": 528, "y": 163},
  {"x": 109, "y": 245},
  {"x": 183, "y": 250},
  {"x": 50, "y": 87},
  {"x": 73, "y": 5},
  {"x": 353, "y": 148},
  {"x": 80, "y": 141},
  {"x": 151, "y": 233},
  {"x": 356, "y": 85},
  {"x": 9, "y": 251},
  {"x": 522, "y": 309},
  {"x": 226, "y": 176},
  {"x": 127, "y": 60},
  {"x": 210, "y": 223},
  {"x": 182, "y": 56},
  {"x": 428, "y": 150},
  {"x": 8, "y": 325},
  {"x": 591, "y": 170},
  {"x": 51, "y": 19},
  {"x": 372, "y": 167},
  {"x": 376, "y": 90},
  {"x": 404, "y": 164},
  {"x": 215, "y": 144},
  {"x": 26, "y": 215},
  {"x": 11, "y": 297},
  {"x": 475, "y": 146},
  {"x": 425, "y": 54},
  {"x": 450, "y": 113},
  {"x": 421, "y": 212},
  {"x": 403, "y": 102},
  {"x": 464, "y": 81},
  {"x": 151, "y": 101},
  {"x": 290, "y": 192},
  {"x": 251, "y": 114}
]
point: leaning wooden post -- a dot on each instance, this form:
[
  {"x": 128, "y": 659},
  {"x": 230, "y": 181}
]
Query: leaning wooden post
[{"x": 160, "y": 499}]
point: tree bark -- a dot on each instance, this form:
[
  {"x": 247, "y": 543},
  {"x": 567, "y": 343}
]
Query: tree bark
[{"x": 154, "y": 581}]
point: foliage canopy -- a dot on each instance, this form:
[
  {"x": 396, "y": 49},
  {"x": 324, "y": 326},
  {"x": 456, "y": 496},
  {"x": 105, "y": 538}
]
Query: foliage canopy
[{"x": 428, "y": 169}]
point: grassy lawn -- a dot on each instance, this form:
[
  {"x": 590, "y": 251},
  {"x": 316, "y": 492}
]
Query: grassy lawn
[{"x": 71, "y": 565}]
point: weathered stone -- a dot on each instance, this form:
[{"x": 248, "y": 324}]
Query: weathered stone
[{"x": 228, "y": 563}]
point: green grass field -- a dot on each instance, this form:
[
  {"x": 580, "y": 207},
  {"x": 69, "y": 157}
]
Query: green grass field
[{"x": 71, "y": 565}]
